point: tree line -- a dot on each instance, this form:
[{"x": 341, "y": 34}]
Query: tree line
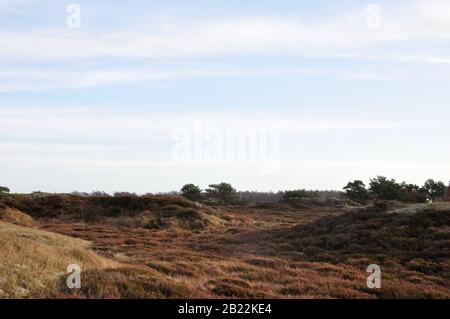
[
  {"x": 383, "y": 188},
  {"x": 225, "y": 193},
  {"x": 379, "y": 188}
]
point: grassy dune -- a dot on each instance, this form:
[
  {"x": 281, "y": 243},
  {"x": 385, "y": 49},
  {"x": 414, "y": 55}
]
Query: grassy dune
[
  {"x": 32, "y": 261},
  {"x": 15, "y": 216}
]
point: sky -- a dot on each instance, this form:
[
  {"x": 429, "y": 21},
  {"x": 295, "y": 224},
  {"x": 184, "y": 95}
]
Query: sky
[{"x": 146, "y": 96}]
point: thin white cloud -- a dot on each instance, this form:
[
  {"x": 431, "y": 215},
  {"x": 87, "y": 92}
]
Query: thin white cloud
[
  {"x": 411, "y": 171},
  {"x": 54, "y": 147},
  {"x": 425, "y": 59},
  {"x": 346, "y": 34},
  {"x": 51, "y": 123},
  {"x": 14, "y": 6},
  {"x": 403, "y": 28},
  {"x": 13, "y": 80}
]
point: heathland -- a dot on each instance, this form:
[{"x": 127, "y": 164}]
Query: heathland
[{"x": 160, "y": 246}]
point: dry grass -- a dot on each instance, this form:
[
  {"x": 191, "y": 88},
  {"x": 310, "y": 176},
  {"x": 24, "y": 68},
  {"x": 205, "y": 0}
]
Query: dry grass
[
  {"x": 31, "y": 260},
  {"x": 417, "y": 208},
  {"x": 15, "y": 216}
]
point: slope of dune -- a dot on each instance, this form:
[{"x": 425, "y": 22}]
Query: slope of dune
[
  {"x": 32, "y": 261},
  {"x": 15, "y": 216},
  {"x": 153, "y": 212}
]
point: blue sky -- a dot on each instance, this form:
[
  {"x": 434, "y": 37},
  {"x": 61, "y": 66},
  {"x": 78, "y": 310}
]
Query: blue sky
[{"x": 343, "y": 89}]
